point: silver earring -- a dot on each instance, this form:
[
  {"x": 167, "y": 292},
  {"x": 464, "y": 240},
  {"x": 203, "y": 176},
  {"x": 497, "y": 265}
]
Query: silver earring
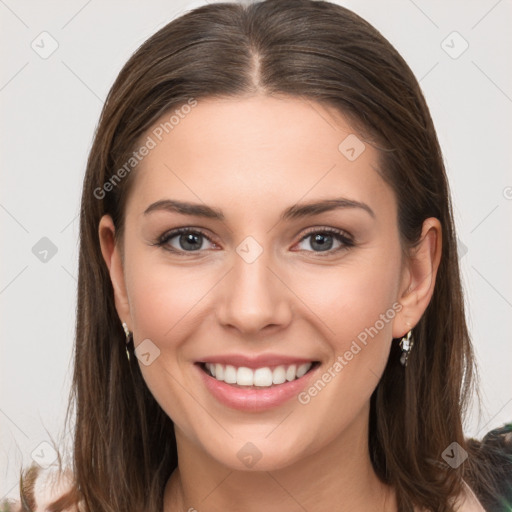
[
  {"x": 128, "y": 337},
  {"x": 406, "y": 344}
]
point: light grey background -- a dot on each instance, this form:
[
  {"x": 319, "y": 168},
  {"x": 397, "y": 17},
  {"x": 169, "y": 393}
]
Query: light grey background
[{"x": 50, "y": 107}]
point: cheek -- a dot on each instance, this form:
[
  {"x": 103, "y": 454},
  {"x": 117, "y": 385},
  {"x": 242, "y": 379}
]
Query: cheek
[
  {"x": 164, "y": 299},
  {"x": 164, "y": 303},
  {"x": 353, "y": 297},
  {"x": 357, "y": 303}
]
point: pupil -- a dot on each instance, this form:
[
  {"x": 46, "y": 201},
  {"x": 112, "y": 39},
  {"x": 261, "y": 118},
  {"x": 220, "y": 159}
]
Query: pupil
[
  {"x": 189, "y": 238},
  {"x": 320, "y": 239}
]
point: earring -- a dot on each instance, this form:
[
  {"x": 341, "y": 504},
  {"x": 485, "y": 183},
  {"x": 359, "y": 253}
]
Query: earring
[
  {"x": 128, "y": 338},
  {"x": 406, "y": 344}
]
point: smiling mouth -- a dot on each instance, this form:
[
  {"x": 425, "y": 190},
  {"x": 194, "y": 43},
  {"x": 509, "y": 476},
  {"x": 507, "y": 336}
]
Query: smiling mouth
[{"x": 263, "y": 377}]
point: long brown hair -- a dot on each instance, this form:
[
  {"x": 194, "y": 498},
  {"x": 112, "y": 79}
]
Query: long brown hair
[{"x": 124, "y": 444}]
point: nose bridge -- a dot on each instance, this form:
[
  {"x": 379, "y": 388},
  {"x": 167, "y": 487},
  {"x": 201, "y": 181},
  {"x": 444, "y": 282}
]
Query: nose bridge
[{"x": 252, "y": 296}]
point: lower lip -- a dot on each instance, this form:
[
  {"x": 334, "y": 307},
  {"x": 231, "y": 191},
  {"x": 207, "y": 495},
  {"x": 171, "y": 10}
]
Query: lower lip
[{"x": 253, "y": 399}]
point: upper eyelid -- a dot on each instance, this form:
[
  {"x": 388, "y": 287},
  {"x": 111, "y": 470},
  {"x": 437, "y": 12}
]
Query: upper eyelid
[
  {"x": 326, "y": 229},
  {"x": 171, "y": 233}
]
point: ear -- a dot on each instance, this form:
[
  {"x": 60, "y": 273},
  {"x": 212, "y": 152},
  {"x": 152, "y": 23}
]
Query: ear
[
  {"x": 112, "y": 256},
  {"x": 419, "y": 277}
]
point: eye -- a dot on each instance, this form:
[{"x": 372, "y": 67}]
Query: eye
[
  {"x": 189, "y": 240},
  {"x": 183, "y": 240},
  {"x": 323, "y": 240}
]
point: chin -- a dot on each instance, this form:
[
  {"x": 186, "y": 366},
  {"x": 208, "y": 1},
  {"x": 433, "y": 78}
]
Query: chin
[{"x": 257, "y": 455}]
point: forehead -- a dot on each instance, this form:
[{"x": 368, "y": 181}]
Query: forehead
[{"x": 257, "y": 152}]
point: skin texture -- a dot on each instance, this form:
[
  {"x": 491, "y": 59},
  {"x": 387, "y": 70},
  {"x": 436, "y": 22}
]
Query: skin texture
[{"x": 252, "y": 157}]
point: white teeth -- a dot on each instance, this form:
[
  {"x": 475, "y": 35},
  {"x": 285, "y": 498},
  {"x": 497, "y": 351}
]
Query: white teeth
[
  {"x": 244, "y": 376},
  {"x": 260, "y": 377},
  {"x": 302, "y": 369},
  {"x": 291, "y": 372},
  {"x": 263, "y": 377},
  {"x": 230, "y": 374},
  {"x": 279, "y": 375}
]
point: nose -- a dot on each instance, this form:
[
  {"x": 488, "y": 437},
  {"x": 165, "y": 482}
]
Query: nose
[{"x": 253, "y": 298}]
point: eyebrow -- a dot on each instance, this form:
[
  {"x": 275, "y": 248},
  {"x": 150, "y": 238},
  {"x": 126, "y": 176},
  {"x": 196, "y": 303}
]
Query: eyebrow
[{"x": 293, "y": 212}]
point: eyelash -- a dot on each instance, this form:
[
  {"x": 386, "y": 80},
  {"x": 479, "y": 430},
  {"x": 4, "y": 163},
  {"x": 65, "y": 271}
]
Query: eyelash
[{"x": 341, "y": 236}]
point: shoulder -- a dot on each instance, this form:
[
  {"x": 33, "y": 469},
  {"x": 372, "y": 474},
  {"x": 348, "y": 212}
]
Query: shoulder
[
  {"x": 43, "y": 487},
  {"x": 467, "y": 501},
  {"x": 51, "y": 486}
]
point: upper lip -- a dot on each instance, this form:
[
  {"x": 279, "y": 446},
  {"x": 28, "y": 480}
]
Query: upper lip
[{"x": 259, "y": 361}]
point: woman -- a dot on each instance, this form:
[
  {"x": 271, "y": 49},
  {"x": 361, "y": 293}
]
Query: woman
[{"x": 266, "y": 222}]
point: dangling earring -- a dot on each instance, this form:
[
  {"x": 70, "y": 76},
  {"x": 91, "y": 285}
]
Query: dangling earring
[
  {"x": 406, "y": 344},
  {"x": 128, "y": 338}
]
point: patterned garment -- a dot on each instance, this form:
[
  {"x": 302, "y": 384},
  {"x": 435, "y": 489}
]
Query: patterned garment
[{"x": 494, "y": 451}]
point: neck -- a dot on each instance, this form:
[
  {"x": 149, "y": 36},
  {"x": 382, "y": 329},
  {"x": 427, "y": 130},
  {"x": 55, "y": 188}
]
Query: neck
[{"x": 338, "y": 477}]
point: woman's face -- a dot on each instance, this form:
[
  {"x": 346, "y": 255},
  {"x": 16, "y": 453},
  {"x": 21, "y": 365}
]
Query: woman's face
[{"x": 263, "y": 281}]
